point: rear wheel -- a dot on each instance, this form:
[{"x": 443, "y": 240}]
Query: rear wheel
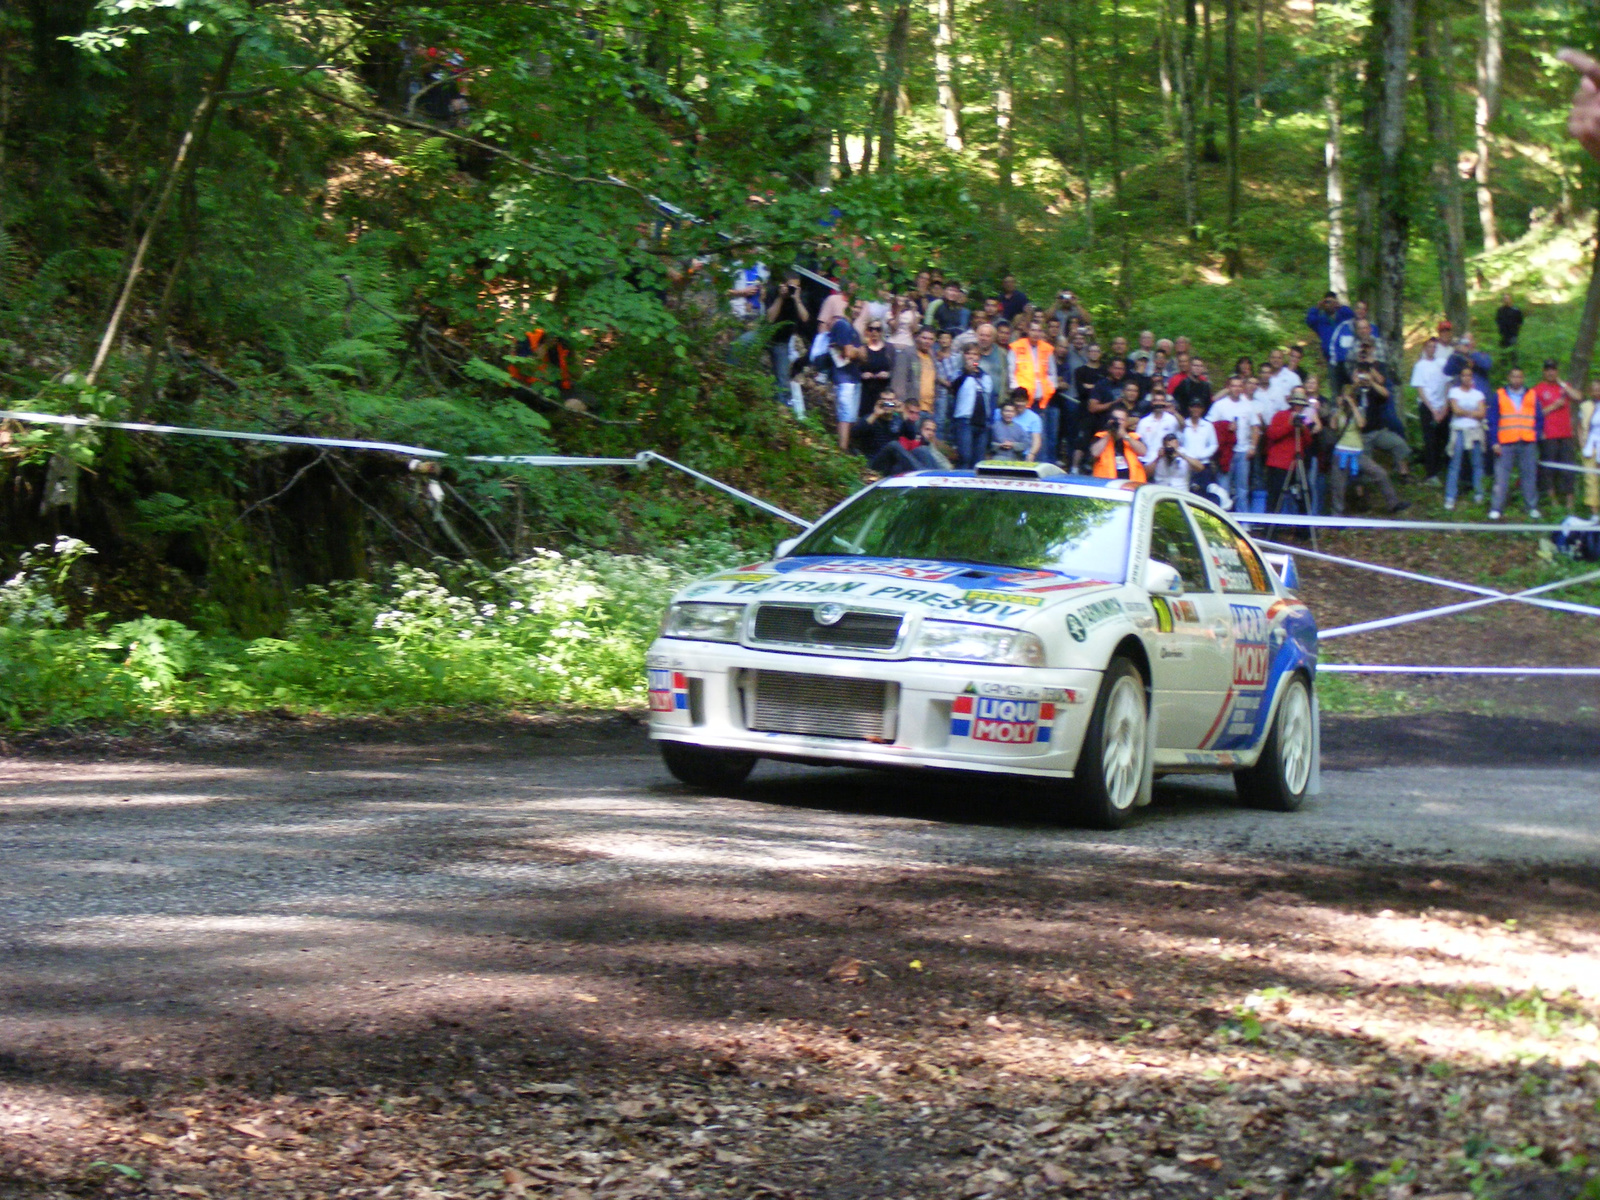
[
  {"x": 709, "y": 769},
  {"x": 1116, "y": 749},
  {"x": 1279, "y": 780}
]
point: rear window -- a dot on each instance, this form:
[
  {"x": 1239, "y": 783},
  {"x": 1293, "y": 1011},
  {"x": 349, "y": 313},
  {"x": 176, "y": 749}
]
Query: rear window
[{"x": 1233, "y": 558}]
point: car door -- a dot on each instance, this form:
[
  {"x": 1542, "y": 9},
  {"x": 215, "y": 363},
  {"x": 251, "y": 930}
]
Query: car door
[
  {"x": 1187, "y": 662},
  {"x": 1237, "y": 613}
]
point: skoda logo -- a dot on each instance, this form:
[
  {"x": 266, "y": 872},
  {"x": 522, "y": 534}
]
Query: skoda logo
[
  {"x": 828, "y": 614},
  {"x": 1075, "y": 627}
]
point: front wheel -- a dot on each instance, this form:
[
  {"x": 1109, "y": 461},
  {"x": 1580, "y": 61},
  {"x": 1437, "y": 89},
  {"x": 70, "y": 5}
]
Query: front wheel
[
  {"x": 1279, "y": 780},
  {"x": 711, "y": 770},
  {"x": 1116, "y": 749}
]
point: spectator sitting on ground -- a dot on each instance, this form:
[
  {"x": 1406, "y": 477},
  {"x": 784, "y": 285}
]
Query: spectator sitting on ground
[
  {"x": 1372, "y": 393},
  {"x": 1009, "y": 439},
  {"x": 879, "y": 428},
  {"x": 918, "y": 450},
  {"x": 1350, "y": 459}
]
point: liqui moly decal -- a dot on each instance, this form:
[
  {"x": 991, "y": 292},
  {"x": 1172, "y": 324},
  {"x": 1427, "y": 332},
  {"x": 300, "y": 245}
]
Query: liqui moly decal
[
  {"x": 669, "y": 691},
  {"x": 1250, "y": 653},
  {"x": 1011, "y": 722}
]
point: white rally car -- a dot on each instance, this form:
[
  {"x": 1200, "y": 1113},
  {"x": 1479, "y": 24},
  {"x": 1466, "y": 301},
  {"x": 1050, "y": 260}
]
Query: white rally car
[{"x": 1015, "y": 621}]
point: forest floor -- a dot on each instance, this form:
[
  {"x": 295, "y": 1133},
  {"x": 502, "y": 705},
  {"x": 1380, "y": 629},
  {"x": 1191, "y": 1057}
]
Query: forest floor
[{"x": 317, "y": 959}]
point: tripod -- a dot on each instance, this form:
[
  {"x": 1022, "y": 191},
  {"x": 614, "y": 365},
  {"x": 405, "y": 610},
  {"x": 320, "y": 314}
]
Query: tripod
[{"x": 1298, "y": 487}]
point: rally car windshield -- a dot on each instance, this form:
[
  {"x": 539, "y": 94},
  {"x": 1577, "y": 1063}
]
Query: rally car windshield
[{"x": 1084, "y": 536}]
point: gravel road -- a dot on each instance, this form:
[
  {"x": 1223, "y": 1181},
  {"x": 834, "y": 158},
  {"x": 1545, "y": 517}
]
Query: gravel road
[
  {"x": 358, "y": 960},
  {"x": 372, "y": 826}
]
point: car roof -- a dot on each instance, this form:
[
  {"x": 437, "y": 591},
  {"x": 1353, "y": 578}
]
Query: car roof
[{"x": 1082, "y": 485}]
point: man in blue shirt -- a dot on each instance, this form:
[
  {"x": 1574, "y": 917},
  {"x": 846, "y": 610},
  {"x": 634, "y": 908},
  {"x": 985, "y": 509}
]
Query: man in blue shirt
[
  {"x": 1324, "y": 318},
  {"x": 971, "y": 404},
  {"x": 1012, "y": 299},
  {"x": 1468, "y": 355}
]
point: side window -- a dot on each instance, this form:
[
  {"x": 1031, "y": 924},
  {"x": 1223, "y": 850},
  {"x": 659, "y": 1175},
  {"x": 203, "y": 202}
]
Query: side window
[
  {"x": 1232, "y": 556},
  {"x": 1172, "y": 542}
]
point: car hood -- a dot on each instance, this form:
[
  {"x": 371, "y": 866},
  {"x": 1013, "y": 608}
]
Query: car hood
[{"x": 964, "y": 591}]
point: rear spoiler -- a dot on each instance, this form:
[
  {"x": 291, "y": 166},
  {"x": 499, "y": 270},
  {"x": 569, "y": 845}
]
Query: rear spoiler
[{"x": 1283, "y": 566}]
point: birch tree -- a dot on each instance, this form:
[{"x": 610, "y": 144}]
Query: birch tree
[
  {"x": 943, "y": 13},
  {"x": 1490, "y": 53}
]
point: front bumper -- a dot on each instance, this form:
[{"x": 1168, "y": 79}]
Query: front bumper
[{"x": 713, "y": 711}]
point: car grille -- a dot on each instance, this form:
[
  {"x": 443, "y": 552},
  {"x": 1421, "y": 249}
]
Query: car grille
[
  {"x": 820, "y": 705},
  {"x": 796, "y": 624}
]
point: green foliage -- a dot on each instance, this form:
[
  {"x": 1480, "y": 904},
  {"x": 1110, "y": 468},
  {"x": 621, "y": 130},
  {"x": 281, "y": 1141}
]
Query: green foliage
[{"x": 550, "y": 629}]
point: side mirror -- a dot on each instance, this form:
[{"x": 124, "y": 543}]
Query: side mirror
[
  {"x": 781, "y": 550},
  {"x": 1162, "y": 580}
]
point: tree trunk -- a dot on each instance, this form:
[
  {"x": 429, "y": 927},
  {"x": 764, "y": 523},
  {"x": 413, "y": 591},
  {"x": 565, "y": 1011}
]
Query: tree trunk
[
  {"x": 1164, "y": 71},
  {"x": 1371, "y": 71},
  {"x": 943, "y": 13},
  {"x": 1004, "y": 138},
  {"x": 1261, "y": 51},
  {"x": 1396, "y": 22},
  {"x": 1334, "y": 159},
  {"x": 184, "y": 161},
  {"x": 1083, "y": 133},
  {"x": 1589, "y": 324},
  {"x": 1230, "y": 68},
  {"x": 1208, "y": 149},
  {"x": 1436, "y": 76},
  {"x": 1186, "y": 122},
  {"x": 894, "y": 73},
  {"x": 1489, "y": 56},
  {"x": 845, "y": 170},
  {"x": 1114, "y": 130}
]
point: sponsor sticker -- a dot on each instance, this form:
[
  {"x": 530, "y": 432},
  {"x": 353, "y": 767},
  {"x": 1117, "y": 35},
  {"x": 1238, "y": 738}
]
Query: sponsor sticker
[
  {"x": 1075, "y": 627},
  {"x": 1172, "y": 652},
  {"x": 976, "y": 597},
  {"x": 1185, "y": 611},
  {"x": 1210, "y": 758},
  {"x": 1250, "y": 653},
  {"x": 1163, "y": 615},
  {"x": 1009, "y": 722},
  {"x": 1081, "y": 620},
  {"x": 669, "y": 691},
  {"x": 922, "y": 570},
  {"x": 744, "y": 576}
]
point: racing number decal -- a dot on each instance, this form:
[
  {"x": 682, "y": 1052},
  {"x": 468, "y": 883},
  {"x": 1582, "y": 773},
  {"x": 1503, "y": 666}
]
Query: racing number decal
[{"x": 1012, "y": 722}]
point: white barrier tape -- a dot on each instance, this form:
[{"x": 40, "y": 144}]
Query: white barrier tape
[
  {"x": 643, "y": 459},
  {"x": 1297, "y": 521},
  {"x": 1570, "y": 467},
  {"x": 1390, "y": 669},
  {"x": 1557, "y": 605},
  {"x": 1464, "y": 606},
  {"x": 231, "y": 434}
]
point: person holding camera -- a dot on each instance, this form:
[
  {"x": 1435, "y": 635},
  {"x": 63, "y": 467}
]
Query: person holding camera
[
  {"x": 1117, "y": 453},
  {"x": 1377, "y": 409},
  {"x": 786, "y": 314},
  {"x": 1290, "y": 436},
  {"x": 1171, "y": 466},
  {"x": 1350, "y": 457},
  {"x": 880, "y": 427},
  {"x": 1154, "y": 426}
]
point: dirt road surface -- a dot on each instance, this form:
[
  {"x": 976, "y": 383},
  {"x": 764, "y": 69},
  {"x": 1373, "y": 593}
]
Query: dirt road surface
[{"x": 518, "y": 960}]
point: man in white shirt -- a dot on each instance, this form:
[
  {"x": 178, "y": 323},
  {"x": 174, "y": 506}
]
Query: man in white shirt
[
  {"x": 1155, "y": 425},
  {"x": 1269, "y": 401},
  {"x": 1238, "y": 427},
  {"x": 1198, "y": 437},
  {"x": 1171, "y": 466},
  {"x": 1433, "y": 406},
  {"x": 1281, "y": 379}
]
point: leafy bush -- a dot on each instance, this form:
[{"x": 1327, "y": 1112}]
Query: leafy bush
[{"x": 549, "y": 629}]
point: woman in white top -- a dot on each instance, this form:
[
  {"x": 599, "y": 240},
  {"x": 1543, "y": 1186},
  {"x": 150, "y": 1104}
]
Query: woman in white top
[
  {"x": 904, "y": 320},
  {"x": 1468, "y": 408}
]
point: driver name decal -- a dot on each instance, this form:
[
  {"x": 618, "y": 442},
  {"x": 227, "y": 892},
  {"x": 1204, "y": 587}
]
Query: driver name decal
[{"x": 1010, "y": 722}]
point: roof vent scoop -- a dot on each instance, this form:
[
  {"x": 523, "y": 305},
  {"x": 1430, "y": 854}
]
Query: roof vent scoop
[{"x": 1000, "y": 468}]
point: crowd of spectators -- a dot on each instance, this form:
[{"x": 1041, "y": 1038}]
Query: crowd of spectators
[{"x": 933, "y": 375}]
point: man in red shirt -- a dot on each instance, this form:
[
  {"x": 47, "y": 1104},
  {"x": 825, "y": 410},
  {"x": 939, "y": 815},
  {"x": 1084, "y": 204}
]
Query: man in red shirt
[{"x": 1558, "y": 399}]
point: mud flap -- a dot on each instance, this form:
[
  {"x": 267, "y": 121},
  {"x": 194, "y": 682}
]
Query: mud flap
[
  {"x": 1314, "y": 783},
  {"x": 1147, "y": 787}
]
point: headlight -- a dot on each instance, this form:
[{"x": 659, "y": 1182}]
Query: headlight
[
  {"x": 704, "y": 622},
  {"x": 955, "y": 642}
]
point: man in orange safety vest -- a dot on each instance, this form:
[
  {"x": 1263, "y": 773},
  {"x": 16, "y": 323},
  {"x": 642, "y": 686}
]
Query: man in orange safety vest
[{"x": 1516, "y": 423}]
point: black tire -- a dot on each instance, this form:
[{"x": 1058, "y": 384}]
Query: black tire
[
  {"x": 1108, "y": 764},
  {"x": 712, "y": 770},
  {"x": 1278, "y": 781}
]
